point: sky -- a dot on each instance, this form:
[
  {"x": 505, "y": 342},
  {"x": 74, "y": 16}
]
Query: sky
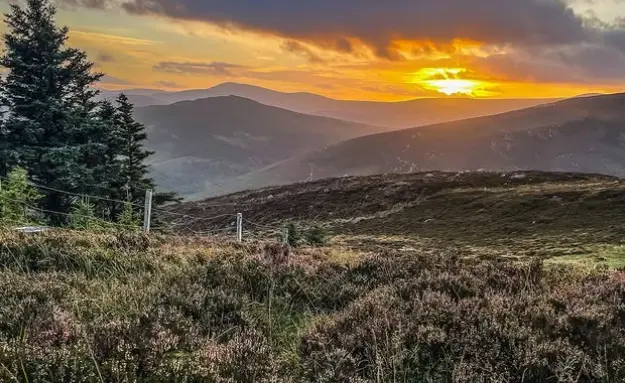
[{"x": 387, "y": 50}]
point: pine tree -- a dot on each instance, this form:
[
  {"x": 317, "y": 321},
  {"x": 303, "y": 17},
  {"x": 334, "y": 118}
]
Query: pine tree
[
  {"x": 135, "y": 170},
  {"x": 83, "y": 216},
  {"x": 49, "y": 128},
  {"x": 88, "y": 133},
  {"x": 3, "y": 139},
  {"x": 293, "y": 235},
  {"x": 128, "y": 219},
  {"x": 112, "y": 172},
  {"x": 16, "y": 196}
]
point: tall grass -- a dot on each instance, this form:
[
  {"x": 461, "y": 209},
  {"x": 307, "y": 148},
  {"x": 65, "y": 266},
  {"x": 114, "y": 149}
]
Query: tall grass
[{"x": 131, "y": 308}]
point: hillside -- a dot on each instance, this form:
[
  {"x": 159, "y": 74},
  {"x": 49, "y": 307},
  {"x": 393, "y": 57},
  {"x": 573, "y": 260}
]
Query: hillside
[
  {"x": 427, "y": 276},
  {"x": 209, "y": 140},
  {"x": 393, "y": 115},
  {"x": 575, "y": 135},
  {"x": 508, "y": 214}
]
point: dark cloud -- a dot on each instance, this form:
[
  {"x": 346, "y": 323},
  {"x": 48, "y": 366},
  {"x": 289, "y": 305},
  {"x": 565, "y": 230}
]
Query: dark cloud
[
  {"x": 379, "y": 23},
  {"x": 299, "y": 48},
  {"x": 616, "y": 38},
  {"x": 542, "y": 39},
  {"x": 211, "y": 68},
  {"x": 582, "y": 63}
]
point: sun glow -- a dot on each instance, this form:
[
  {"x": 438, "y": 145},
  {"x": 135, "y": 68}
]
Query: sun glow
[
  {"x": 449, "y": 81},
  {"x": 453, "y": 86}
]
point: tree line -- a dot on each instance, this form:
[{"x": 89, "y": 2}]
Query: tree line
[{"x": 53, "y": 128}]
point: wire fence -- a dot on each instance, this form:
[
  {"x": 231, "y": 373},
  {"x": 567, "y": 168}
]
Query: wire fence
[{"x": 178, "y": 222}]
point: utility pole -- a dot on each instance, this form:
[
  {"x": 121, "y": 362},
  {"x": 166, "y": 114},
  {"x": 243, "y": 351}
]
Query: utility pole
[
  {"x": 147, "y": 210},
  {"x": 239, "y": 227}
]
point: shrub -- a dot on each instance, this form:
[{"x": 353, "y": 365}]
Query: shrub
[
  {"x": 316, "y": 236},
  {"x": 473, "y": 322},
  {"x": 124, "y": 307},
  {"x": 293, "y": 235}
]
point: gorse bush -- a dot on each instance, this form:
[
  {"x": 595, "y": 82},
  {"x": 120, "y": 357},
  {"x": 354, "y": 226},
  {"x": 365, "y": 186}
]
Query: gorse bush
[{"x": 125, "y": 307}]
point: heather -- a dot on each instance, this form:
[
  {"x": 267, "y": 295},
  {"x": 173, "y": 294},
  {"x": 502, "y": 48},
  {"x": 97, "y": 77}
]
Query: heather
[{"x": 78, "y": 307}]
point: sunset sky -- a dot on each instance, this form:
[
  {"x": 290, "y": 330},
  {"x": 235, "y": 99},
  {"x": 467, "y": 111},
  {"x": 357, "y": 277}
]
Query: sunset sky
[{"x": 356, "y": 49}]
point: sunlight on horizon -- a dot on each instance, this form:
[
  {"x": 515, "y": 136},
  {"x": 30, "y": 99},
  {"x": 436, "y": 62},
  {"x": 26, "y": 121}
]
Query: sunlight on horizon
[
  {"x": 452, "y": 86},
  {"x": 449, "y": 81}
]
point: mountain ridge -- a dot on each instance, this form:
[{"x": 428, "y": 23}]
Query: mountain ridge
[
  {"x": 392, "y": 115},
  {"x": 576, "y": 135}
]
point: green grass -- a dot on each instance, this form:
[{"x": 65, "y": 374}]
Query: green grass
[{"x": 607, "y": 256}]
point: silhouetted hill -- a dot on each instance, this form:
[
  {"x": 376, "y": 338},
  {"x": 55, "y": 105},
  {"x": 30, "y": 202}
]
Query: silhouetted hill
[
  {"x": 576, "y": 135},
  {"x": 213, "y": 139},
  {"x": 394, "y": 115}
]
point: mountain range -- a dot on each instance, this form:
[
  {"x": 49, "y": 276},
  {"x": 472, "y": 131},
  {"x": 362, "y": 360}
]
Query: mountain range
[
  {"x": 211, "y": 142},
  {"x": 391, "y": 115},
  {"x": 585, "y": 134}
]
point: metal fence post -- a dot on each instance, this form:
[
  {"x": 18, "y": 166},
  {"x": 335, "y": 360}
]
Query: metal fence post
[
  {"x": 147, "y": 211},
  {"x": 239, "y": 227}
]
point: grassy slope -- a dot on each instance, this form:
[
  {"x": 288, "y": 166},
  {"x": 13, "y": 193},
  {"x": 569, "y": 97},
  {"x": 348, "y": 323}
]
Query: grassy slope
[
  {"x": 431, "y": 277},
  {"x": 525, "y": 213}
]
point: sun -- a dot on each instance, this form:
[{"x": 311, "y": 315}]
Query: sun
[
  {"x": 448, "y": 81},
  {"x": 453, "y": 86}
]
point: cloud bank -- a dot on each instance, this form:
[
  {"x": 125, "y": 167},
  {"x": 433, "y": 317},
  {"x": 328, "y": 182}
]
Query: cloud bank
[
  {"x": 378, "y": 24},
  {"x": 542, "y": 40}
]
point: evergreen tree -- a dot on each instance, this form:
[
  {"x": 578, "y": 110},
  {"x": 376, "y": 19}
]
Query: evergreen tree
[
  {"x": 83, "y": 216},
  {"x": 128, "y": 219},
  {"x": 49, "y": 128},
  {"x": 317, "y": 236},
  {"x": 88, "y": 133},
  {"x": 134, "y": 171},
  {"x": 3, "y": 139},
  {"x": 112, "y": 172},
  {"x": 16, "y": 195}
]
